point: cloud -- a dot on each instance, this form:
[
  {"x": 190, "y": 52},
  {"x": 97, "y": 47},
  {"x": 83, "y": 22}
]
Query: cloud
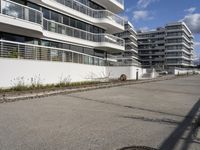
[
  {"x": 191, "y": 10},
  {"x": 143, "y": 29},
  {"x": 145, "y": 3},
  {"x": 197, "y": 44},
  {"x": 142, "y": 15},
  {"x": 129, "y": 9},
  {"x": 124, "y": 17},
  {"x": 197, "y": 48},
  {"x": 193, "y": 22}
]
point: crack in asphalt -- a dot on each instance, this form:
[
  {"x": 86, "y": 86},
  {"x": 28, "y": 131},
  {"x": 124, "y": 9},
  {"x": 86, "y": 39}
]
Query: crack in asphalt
[
  {"x": 161, "y": 121},
  {"x": 130, "y": 107},
  {"x": 162, "y": 90}
]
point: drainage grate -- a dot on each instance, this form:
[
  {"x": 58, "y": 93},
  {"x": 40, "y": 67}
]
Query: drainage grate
[{"x": 137, "y": 148}]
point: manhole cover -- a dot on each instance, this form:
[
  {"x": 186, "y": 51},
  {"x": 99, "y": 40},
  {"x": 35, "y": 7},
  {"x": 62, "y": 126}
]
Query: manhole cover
[{"x": 137, "y": 148}]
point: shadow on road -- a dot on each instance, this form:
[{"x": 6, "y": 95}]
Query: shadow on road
[{"x": 171, "y": 142}]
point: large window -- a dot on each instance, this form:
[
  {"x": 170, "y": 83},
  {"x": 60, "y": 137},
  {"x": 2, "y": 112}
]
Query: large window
[
  {"x": 91, "y": 4},
  {"x": 51, "y": 15}
]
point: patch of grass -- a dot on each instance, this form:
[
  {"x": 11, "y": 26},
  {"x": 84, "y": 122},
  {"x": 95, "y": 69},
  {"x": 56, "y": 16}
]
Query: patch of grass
[{"x": 33, "y": 87}]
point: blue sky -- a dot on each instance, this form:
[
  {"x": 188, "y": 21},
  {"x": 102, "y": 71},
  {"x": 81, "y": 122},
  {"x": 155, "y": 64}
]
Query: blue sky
[{"x": 150, "y": 14}]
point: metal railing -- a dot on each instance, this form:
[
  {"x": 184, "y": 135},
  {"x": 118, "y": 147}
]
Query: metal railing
[
  {"x": 18, "y": 50},
  {"x": 59, "y": 28},
  {"x": 20, "y": 11},
  {"x": 122, "y": 56},
  {"x": 92, "y": 12}
]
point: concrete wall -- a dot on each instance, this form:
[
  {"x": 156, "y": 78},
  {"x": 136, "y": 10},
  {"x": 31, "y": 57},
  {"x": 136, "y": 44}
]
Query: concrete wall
[
  {"x": 14, "y": 71},
  {"x": 130, "y": 72},
  {"x": 179, "y": 71}
]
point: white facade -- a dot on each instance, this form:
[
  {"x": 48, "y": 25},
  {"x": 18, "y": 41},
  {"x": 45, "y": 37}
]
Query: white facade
[
  {"x": 53, "y": 40},
  {"x": 168, "y": 47},
  {"x": 179, "y": 45},
  {"x": 19, "y": 19},
  {"x": 45, "y": 72},
  {"x": 87, "y": 24},
  {"x": 130, "y": 55}
]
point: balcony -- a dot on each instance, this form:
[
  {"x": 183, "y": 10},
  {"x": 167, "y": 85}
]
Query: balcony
[
  {"x": 103, "y": 18},
  {"x": 16, "y": 50},
  {"x": 179, "y": 43},
  {"x": 115, "y": 6},
  {"x": 133, "y": 43},
  {"x": 177, "y": 64},
  {"x": 178, "y": 30},
  {"x": 179, "y": 37},
  {"x": 25, "y": 19},
  {"x": 153, "y": 54},
  {"x": 179, "y": 50},
  {"x": 104, "y": 41},
  {"x": 177, "y": 57}
]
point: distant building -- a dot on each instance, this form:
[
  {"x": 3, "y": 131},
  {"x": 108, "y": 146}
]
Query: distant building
[
  {"x": 130, "y": 55},
  {"x": 168, "y": 47},
  {"x": 151, "y": 47}
]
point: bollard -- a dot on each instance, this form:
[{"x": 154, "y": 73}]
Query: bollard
[{"x": 137, "y": 75}]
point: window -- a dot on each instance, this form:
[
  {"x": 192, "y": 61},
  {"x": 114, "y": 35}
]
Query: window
[
  {"x": 72, "y": 22},
  {"x": 34, "y": 6},
  {"x": 56, "y": 17},
  {"x": 46, "y": 13},
  {"x": 66, "y": 20},
  {"x": 75, "y": 58},
  {"x": 11, "y": 37},
  {"x": 23, "y": 2},
  {"x": 76, "y": 48},
  {"x": 68, "y": 56}
]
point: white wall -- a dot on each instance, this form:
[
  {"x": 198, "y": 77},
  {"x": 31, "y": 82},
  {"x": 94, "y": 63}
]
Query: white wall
[
  {"x": 13, "y": 70},
  {"x": 129, "y": 71},
  {"x": 179, "y": 71}
]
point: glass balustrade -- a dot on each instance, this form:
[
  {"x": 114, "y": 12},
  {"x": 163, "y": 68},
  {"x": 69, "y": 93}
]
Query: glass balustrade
[
  {"x": 53, "y": 26},
  {"x": 20, "y": 11},
  {"x": 18, "y": 50},
  {"x": 92, "y": 12}
]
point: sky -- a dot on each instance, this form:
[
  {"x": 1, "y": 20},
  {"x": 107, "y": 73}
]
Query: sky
[{"x": 150, "y": 14}]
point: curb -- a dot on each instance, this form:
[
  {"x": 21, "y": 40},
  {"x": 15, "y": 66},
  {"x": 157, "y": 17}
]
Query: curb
[{"x": 69, "y": 91}]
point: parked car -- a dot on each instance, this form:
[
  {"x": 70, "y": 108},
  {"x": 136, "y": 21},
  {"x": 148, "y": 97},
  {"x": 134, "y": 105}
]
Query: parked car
[{"x": 163, "y": 73}]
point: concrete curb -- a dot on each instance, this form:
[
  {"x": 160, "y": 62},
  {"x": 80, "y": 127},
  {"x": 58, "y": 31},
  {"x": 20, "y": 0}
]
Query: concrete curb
[{"x": 69, "y": 91}]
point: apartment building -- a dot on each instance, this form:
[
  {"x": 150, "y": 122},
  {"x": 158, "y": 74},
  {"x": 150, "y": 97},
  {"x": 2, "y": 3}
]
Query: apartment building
[
  {"x": 78, "y": 31},
  {"x": 130, "y": 55},
  {"x": 151, "y": 47},
  {"x": 168, "y": 47},
  {"x": 53, "y": 41},
  {"x": 179, "y": 46}
]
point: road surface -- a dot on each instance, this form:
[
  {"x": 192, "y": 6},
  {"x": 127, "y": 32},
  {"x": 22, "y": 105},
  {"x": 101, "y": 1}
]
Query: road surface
[{"x": 159, "y": 115}]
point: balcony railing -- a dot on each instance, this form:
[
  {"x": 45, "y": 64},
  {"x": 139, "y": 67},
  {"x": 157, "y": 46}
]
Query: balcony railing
[
  {"x": 18, "y": 50},
  {"x": 20, "y": 11},
  {"x": 59, "y": 28},
  {"x": 100, "y": 14}
]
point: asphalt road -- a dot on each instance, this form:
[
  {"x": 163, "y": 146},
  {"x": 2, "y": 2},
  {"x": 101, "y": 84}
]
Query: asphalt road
[{"x": 159, "y": 115}]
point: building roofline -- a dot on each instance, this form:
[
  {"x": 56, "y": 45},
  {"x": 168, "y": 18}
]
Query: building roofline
[{"x": 180, "y": 23}]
